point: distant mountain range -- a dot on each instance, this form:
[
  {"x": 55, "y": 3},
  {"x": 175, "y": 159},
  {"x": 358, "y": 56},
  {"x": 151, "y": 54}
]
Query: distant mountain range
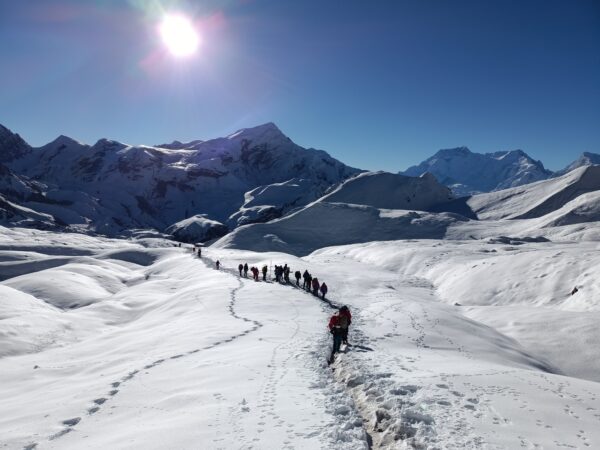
[
  {"x": 202, "y": 189},
  {"x": 466, "y": 172},
  {"x": 111, "y": 187}
]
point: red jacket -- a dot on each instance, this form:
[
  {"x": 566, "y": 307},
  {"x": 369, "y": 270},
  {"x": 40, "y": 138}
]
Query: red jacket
[{"x": 334, "y": 321}]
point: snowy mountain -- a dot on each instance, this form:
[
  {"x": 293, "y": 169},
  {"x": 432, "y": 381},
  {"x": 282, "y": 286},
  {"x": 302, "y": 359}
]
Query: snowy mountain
[
  {"x": 586, "y": 159},
  {"x": 537, "y": 199},
  {"x": 474, "y": 319},
  {"x": 110, "y": 186},
  {"x": 270, "y": 202},
  {"x": 12, "y": 146},
  {"x": 368, "y": 207},
  {"x": 467, "y": 173}
]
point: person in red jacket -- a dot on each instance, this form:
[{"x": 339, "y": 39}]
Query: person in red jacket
[
  {"x": 345, "y": 313},
  {"x": 335, "y": 328}
]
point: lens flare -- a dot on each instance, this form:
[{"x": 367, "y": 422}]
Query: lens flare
[{"x": 179, "y": 35}]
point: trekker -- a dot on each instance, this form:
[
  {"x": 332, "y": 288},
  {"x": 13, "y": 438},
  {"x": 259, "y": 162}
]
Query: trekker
[
  {"x": 218, "y": 264},
  {"x": 240, "y": 268},
  {"x": 199, "y": 252},
  {"x": 345, "y": 324},
  {"x": 305, "y": 277},
  {"x": 309, "y": 282},
  {"x": 323, "y": 289},
  {"x": 315, "y": 286},
  {"x": 297, "y": 274},
  {"x": 255, "y": 273},
  {"x": 246, "y": 270},
  {"x": 335, "y": 329},
  {"x": 264, "y": 271},
  {"x": 286, "y": 273}
]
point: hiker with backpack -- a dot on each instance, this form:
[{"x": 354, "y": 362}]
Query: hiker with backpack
[
  {"x": 240, "y": 268},
  {"x": 305, "y": 277},
  {"x": 255, "y": 273},
  {"x": 297, "y": 274},
  {"x": 286, "y": 273},
  {"x": 345, "y": 322},
  {"x": 246, "y": 270},
  {"x": 309, "y": 282},
  {"x": 336, "y": 324},
  {"x": 323, "y": 290},
  {"x": 264, "y": 272},
  {"x": 315, "y": 286}
]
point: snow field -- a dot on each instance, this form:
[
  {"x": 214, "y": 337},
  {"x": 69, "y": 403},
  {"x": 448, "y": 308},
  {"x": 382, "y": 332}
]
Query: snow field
[
  {"x": 438, "y": 379},
  {"x": 184, "y": 356}
]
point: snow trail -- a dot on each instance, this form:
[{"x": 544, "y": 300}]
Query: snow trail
[
  {"x": 341, "y": 401},
  {"x": 116, "y": 386}
]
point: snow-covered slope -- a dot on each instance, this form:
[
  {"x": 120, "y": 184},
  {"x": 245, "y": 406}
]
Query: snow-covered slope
[
  {"x": 537, "y": 199},
  {"x": 370, "y": 206},
  {"x": 197, "y": 229},
  {"x": 270, "y": 202},
  {"x": 390, "y": 191},
  {"x": 163, "y": 351},
  {"x": 586, "y": 159},
  {"x": 117, "y": 186},
  {"x": 467, "y": 172}
]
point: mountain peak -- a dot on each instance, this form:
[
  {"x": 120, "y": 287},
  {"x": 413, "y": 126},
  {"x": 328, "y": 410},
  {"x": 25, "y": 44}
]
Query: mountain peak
[
  {"x": 467, "y": 172},
  {"x": 456, "y": 151},
  {"x": 64, "y": 140},
  {"x": 178, "y": 145},
  {"x": 265, "y": 131},
  {"x": 109, "y": 144}
]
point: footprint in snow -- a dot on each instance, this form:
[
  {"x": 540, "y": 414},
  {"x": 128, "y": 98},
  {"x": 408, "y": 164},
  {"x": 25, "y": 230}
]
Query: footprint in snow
[{"x": 72, "y": 422}]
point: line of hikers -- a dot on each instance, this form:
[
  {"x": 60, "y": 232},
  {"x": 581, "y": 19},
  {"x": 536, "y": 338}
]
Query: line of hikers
[
  {"x": 282, "y": 275},
  {"x": 255, "y": 272},
  {"x": 339, "y": 323},
  {"x": 311, "y": 284}
]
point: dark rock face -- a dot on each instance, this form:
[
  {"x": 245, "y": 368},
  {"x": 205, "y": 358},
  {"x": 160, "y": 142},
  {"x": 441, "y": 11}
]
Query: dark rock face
[{"x": 12, "y": 146}]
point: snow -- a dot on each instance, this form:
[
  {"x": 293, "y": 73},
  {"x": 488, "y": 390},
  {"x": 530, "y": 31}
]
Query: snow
[
  {"x": 468, "y": 173},
  {"x": 355, "y": 211},
  {"x": 198, "y": 228},
  {"x": 466, "y": 333},
  {"x": 269, "y": 202},
  {"x": 164, "y": 351},
  {"x": 536, "y": 199},
  {"x": 111, "y": 187}
]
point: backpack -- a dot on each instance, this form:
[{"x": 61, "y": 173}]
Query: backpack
[{"x": 343, "y": 321}]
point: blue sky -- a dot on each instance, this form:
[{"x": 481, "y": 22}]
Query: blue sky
[{"x": 379, "y": 85}]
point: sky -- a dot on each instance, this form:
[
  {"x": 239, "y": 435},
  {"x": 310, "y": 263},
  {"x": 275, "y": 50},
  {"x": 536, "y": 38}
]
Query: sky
[{"x": 378, "y": 85}]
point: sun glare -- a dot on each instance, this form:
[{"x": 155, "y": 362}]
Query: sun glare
[{"x": 179, "y": 35}]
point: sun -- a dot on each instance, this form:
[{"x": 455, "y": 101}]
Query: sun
[{"x": 179, "y": 35}]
